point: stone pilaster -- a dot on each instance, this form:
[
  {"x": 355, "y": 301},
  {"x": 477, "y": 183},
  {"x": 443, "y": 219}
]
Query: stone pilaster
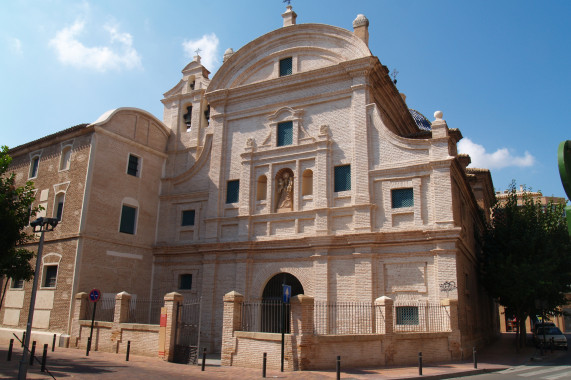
[{"x": 232, "y": 321}]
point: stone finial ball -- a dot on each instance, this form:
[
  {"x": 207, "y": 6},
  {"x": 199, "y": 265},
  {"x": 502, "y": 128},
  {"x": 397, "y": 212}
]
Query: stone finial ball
[
  {"x": 438, "y": 115},
  {"x": 360, "y": 20}
]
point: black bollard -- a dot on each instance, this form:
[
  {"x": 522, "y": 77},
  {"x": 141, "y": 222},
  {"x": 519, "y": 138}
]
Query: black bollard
[
  {"x": 54, "y": 343},
  {"x": 23, "y": 338},
  {"x": 541, "y": 348},
  {"x": 338, "y": 367},
  {"x": 33, "y": 353},
  {"x": 128, "y": 350},
  {"x": 10, "y": 349},
  {"x": 475, "y": 356},
  {"x": 420, "y": 364},
  {"x": 264, "y": 364},
  {"x": 88, "y": 347},
  {"x": 203, "y": 358},
  {"x": 44, "y": 356}
]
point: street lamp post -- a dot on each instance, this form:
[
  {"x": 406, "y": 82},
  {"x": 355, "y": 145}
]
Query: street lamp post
[{"x": 40, "y": 225}]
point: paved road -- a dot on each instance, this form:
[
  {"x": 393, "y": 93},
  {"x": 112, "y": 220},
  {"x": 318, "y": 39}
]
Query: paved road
[
  {"x": 73, "y": 364},
  {"x": 557, "y": 366}
]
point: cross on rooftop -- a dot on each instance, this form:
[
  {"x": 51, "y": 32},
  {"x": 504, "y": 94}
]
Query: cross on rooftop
[
  {"x": 197, "y": 51},
  {"x": 287, "y": 1}
]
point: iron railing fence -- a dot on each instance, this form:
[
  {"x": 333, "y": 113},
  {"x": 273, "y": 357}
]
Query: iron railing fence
[
  {"x": 343, "y": 318},
  {"x": 145, "y": 310},
  {"x": 348, "y": 318},
  {"x": 265, "y": 316},
  {"x": 104, "y": 311},
  {"x": 421, "y": 318}
]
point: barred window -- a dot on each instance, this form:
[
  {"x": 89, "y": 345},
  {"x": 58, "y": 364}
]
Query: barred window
[
  {"x": 188, "y": 218},
  {"x": 50, "y": 276},
  {"x": 342, "y": 178},
  {"x": 133, "y": 166},
  {"x": 407, "y": 315},
  {"x": 402, "y": 197},
  {"x": 58, "y": 206},
  {"x": 233, "y": 191},
  {"x": 285, "y": 133},
  {"x": 185, "y": 282},
  {"x": 285, "y": 66}
]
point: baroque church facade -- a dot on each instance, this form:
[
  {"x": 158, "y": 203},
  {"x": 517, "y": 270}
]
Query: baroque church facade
[{"x": 298, "y": 161}]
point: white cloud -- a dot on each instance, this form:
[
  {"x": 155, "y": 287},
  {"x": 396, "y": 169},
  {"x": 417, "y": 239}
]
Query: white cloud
[
  {"x": 15, "y": 46},
  {"x": 208, "y": 45},
  {"x": 501, "y": 158},
  {"x": 120, "y": 53}
]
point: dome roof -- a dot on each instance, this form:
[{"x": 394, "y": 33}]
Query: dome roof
[{"x": 420, "y": 120}]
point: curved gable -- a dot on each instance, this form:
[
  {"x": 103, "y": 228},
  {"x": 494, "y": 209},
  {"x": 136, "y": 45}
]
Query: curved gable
[
  {"x": 311, "y": 46},
  {"x": 136, "y": 125}
]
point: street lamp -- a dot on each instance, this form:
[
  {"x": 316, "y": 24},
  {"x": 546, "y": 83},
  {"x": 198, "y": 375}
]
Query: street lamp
[{"x": 40, "y": 225}]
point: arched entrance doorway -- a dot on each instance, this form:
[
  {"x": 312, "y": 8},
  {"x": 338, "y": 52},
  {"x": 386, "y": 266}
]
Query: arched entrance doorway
[{"x": 272, "y": 302}]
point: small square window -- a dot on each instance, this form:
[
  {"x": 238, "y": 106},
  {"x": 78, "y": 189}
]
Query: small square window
[
  {"x": 233, "y": 191},
  {"x": 17, "y": 284},
  {"x": 188, "y": 218},
  {"x": 285, "y": 133},
  {"x": 185, "y": 282},
  {"x": 128, "y": 219},
  {"x": 34, "y": 167},
  {"x": 342, "y": 178},
  {"x": 285, "y": 66},
  {"x": 402, "y": 198},
  {"x": 50, "y": 276},
  {"x": 133, "y": 166},
  {"x": 407, "y": 315}
]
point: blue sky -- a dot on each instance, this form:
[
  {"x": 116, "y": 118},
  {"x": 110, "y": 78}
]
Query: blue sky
[{"x": 499, "y": 70}]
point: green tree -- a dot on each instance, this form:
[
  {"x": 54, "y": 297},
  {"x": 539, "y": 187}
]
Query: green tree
[
  {"x": 15, "y": 213},
  {"x": 526, "y": 261}
]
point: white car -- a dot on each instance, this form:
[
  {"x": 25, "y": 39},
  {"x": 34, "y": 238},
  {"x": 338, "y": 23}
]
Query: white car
[{"x": 559, "y": 340}]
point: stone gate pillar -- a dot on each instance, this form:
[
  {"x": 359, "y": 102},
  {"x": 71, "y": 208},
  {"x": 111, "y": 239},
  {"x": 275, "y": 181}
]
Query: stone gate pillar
[
  {"x": 172, "y": 300},
  {"x": 232, "y": 321}
]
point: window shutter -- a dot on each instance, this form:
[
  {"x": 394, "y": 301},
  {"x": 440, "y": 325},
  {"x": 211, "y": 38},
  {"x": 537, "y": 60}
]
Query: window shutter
[{"x": 128, "y": 215}]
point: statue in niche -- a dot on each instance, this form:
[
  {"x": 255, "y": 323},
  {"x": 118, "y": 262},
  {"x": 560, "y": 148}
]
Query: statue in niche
[{"x": 284, "y": 199}]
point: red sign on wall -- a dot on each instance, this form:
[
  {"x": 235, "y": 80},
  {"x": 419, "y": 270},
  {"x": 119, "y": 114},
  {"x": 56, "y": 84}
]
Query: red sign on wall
[{"x": 163, "y": 320}]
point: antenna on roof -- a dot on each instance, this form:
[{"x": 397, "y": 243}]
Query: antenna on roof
[{"x": 394, "y": 75}]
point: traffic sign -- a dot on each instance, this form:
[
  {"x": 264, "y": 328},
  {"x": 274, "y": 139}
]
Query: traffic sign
[
  {"x": 94, "y": 295},
  {"x": 286, "y": 293}
]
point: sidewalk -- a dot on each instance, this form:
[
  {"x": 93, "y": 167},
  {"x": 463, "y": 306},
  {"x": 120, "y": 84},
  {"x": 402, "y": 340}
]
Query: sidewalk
[{"x": 69, "y": 363}]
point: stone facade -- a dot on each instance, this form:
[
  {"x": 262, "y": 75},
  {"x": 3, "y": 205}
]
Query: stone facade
[{"x": 299, "y": 156}]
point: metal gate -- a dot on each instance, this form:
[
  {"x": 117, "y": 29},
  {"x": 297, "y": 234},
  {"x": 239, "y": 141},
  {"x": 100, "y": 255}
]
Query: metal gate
[{"x": 187, "y": 332}]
